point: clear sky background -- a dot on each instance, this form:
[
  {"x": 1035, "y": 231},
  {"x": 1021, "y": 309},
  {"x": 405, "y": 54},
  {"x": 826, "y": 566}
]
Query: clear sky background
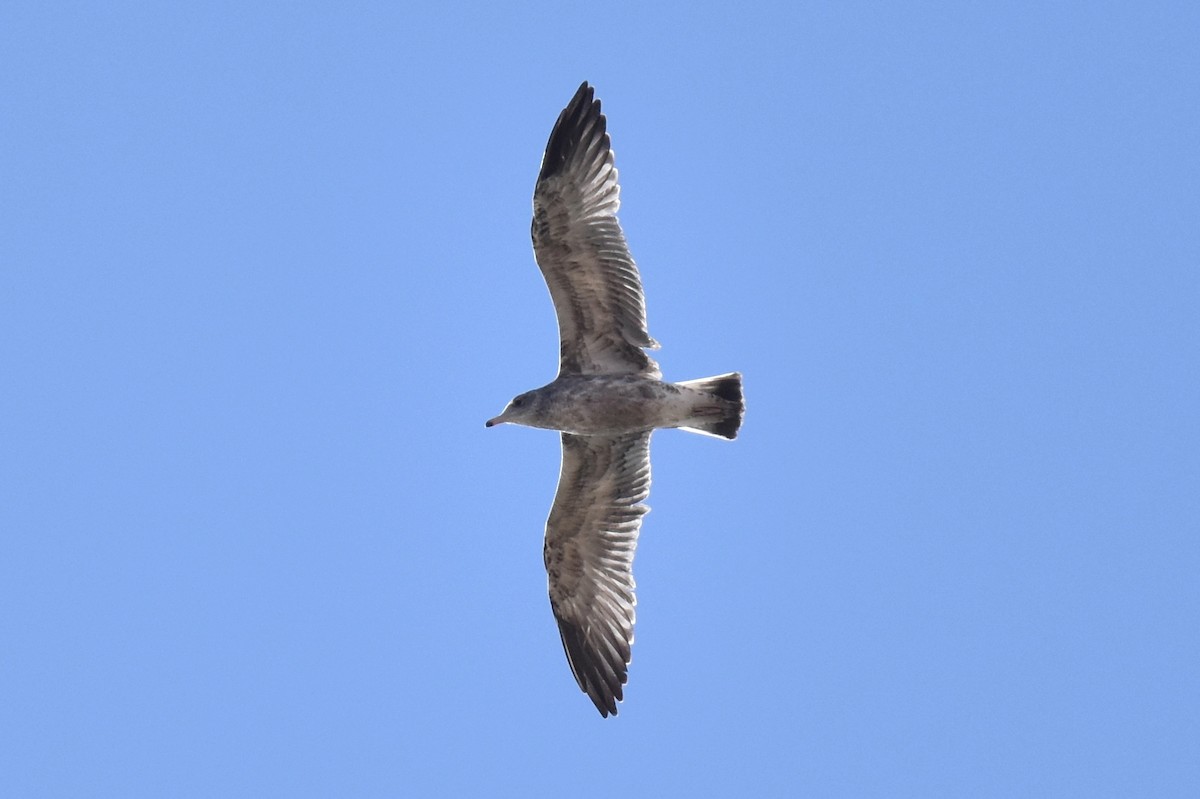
[{"x": 265, "y": 271}]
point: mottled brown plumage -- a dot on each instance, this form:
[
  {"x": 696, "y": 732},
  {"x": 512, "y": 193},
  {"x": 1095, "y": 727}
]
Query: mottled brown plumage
[{"x": 606, "y": 400}]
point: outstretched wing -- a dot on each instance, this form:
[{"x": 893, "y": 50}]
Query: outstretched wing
[
  {"x": 581, "y": 250},
  {"x": 590, "y": 540}
]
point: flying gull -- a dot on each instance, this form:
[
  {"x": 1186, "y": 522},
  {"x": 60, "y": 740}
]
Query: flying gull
[{"x": 607, "y": 400}]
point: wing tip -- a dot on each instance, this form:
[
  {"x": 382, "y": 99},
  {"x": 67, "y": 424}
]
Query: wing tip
[
  {"x": 580, "y": 126},
  {"x": 602, "y": 679}
]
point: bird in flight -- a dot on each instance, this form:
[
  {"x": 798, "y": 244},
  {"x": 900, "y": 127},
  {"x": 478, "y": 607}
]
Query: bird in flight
[{"x": 607, "y": 400}]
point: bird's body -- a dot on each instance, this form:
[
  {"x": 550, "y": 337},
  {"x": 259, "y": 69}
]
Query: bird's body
[
  {"x": 607, "y": 400},
  {"x": 606, "y": 405}
]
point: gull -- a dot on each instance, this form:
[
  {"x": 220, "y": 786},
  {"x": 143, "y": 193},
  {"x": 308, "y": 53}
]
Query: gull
[{"x": 607, "y": 399}]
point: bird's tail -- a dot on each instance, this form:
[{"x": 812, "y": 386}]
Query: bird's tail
[{"x": 722, "y": 418}]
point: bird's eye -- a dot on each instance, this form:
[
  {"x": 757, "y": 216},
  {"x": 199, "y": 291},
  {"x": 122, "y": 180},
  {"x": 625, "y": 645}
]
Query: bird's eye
[{"x": 518, "y": 402}]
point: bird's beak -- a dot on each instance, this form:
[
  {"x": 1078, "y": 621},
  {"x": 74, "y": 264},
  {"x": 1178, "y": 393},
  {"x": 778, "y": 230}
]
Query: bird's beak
[{"x": 498, "y": 420}]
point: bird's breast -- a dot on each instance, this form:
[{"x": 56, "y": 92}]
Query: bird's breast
[{"x": 612, "y": 405}]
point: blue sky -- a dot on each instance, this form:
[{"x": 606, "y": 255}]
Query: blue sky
[{"x": 265, "y": 271}]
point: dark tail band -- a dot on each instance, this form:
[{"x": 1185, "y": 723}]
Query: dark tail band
[{"x": 726, "y": 387}]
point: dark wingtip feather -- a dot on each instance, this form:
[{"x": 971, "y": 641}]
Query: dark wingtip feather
[
  {"x": 604, "y": 690},
  {"x": 580, "y": 118}
]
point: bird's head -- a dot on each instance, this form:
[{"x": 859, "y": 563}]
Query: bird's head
[{"x": 521, "y": 410}]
